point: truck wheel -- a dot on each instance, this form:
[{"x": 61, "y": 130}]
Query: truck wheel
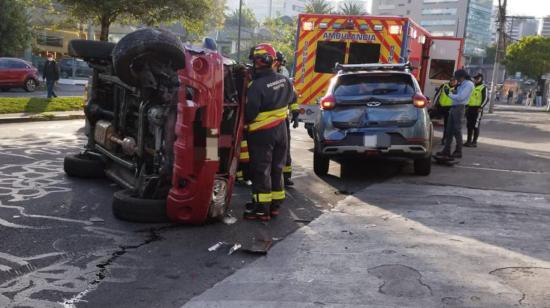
[
  {"x": 423, "y": 166},
  {"x": 83, "y": 166},
  {"x": 89, "y": 50},
  {"x": 130, "y": 208},
  {"x": 320, "y": 164},
  {"x": 157, "y": 43}
]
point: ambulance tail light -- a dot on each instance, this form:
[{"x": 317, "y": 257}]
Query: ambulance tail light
[
  {"x": 328, "y": 102},
  {"x": 420, "y": 101}
]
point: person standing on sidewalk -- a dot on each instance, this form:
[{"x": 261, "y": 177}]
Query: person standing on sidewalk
[
  {"x": 50, "y": 73},
  {"x": 266, "y": 112},
  {"x": 444, "y": 103},
  {"x": 456, "y": 113},
  {"x": 474, "y": 110}
]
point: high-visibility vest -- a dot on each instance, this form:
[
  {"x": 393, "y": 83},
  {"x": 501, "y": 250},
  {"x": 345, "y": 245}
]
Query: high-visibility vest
[
  {"x": 268, "y": 119},
  {"x": 444, "y": 99},
  {"x": 475, "y": 99}
]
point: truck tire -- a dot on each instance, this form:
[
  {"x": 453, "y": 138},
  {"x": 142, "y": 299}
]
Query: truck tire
[
  {"x": 161, "y": 44},
  {"x": 320, "y": 163},
  {"x": 89, "y": 50},
  {"x": 423, "y": 166},
  {"x": 130, "y": 208},
  {"x": 83, "y": 166}
]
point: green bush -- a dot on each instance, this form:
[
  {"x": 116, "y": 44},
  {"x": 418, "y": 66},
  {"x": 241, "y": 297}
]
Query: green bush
[{"x": 39, "y": 105}]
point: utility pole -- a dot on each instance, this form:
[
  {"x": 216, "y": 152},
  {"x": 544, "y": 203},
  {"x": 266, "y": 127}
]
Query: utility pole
[
  {"x": 500, "y": 51},
  {"x": 239, "y": 31}
]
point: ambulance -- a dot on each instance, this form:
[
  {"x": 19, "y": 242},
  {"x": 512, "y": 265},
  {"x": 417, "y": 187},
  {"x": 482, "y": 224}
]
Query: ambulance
[{"x": 324, "y": 40}]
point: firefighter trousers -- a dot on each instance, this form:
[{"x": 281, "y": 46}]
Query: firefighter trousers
[
  {"x": 268, "y": 149},
  {"x": 287, "y": 170}
]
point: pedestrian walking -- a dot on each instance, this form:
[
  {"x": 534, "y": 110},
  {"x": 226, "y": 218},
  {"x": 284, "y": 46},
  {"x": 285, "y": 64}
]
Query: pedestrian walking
[
  {"x": 444, "y": 103},
  {"x": 266, "y": 112},
  {"x": 293, "y": 107},
  {"x": 474, "y": 110},
  {"x": 510, "y": 97},
  {"x": 538, "y": 98},
  {"x": 456, "y": 113},
  {"x": 50, "y": 73}
]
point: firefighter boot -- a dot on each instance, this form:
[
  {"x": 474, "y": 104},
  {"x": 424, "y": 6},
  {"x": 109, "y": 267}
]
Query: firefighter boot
[{"x": 256, "y": 211}]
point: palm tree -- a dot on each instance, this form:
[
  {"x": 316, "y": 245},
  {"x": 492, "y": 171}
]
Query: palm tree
[
  {"x": 351, "y": 7},
  {"x": 318, "y": 7}
]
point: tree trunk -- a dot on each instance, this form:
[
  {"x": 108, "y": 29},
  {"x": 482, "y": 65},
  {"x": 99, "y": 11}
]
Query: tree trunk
[{"x": 105, "y": 24}]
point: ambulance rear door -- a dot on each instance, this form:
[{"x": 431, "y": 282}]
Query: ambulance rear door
[{"x": 445, "y": 54}]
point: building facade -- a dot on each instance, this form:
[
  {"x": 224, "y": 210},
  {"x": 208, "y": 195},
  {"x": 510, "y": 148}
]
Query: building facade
[
  {"x": 518, "y": 27},
  {"x": 470, "y": 19},
  {"x": 545, "y": 29},
  {"x": 270, "y": 8}
]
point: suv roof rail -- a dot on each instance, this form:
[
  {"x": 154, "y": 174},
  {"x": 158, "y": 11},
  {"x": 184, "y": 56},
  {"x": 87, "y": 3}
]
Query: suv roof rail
[{"x": 373, "y": 67}]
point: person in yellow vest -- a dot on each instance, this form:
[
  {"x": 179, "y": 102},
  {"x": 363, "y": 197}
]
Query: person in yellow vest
[
  {"x": 445, "y": 103},
  {"x": 293, "y": 107},
  {"x": 474, "y": 110},
  {"x": 266, "y": 112}
]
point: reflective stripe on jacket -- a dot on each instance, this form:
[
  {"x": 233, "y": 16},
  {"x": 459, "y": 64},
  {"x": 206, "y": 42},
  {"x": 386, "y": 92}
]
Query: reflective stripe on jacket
[{"x": 268, "y": 119}]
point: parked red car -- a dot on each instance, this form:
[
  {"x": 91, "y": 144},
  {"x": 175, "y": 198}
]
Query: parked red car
[
  {"x": 164, "y": 121},
  {"x": 17, "y": 73}
]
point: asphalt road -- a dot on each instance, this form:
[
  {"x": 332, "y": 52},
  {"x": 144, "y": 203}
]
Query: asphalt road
[{"x": 61, "y": 246}]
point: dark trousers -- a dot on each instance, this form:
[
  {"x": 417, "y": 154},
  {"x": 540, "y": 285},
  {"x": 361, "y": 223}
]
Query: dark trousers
[
  {"x": 268, "y": 149},
  {"x": 445, "y": 114},
  {"x": 454, "y": 129},
  {"x": 287, "y": 170},
  {"x": 49, "y": 86},
  {"x": 473, "y": 121}
]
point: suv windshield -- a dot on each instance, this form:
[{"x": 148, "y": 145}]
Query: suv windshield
[{"x": 369, "y": 84}]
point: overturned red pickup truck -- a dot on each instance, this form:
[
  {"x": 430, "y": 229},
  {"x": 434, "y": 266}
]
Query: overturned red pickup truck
[{"x": 164, "y": 121}]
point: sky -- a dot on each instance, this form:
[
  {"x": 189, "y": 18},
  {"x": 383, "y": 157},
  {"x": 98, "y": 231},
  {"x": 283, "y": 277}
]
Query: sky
[{"x": 538, "y": 8}]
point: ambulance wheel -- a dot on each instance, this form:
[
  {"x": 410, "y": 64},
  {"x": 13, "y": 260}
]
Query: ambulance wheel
[
  {"x": 423, "y": 166},
  {"x": 83, "y": 166},
  {"x": 126, "y": 206}
]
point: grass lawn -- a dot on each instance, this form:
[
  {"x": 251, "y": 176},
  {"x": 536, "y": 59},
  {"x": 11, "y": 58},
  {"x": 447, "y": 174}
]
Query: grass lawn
[{"x": 39, "y": 105}]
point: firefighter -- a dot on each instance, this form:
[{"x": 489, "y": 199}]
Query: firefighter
[
  {"x": 293, "y": 107},
  {"x": 474, "y": 110},
  {"x": 444, "y": 102},
  {"x": 265, "y": 113}
]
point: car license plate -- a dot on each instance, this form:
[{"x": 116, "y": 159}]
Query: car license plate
[{"x": 370, "y": 140}]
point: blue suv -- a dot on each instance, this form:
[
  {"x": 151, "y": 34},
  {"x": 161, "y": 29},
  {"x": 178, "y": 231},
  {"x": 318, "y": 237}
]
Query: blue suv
[{"x": 373, "y": 110}]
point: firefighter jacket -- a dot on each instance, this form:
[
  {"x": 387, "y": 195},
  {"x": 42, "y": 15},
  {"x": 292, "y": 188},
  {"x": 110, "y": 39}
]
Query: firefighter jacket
[{"x": 268, "y": 98}]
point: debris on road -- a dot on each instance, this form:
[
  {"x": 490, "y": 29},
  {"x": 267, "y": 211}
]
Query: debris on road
[
  {"x": 235, "y": 247},
  {"x": 260, "y": 246},
  {"x": 96, "y": 219},
  {"x": 302, "y": 220},
  {"x": 229, "y": 220},
  {"x": 217, "y": 246}
]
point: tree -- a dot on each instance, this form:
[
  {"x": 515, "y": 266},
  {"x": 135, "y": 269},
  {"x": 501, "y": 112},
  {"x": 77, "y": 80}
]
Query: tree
[
  {"x": 318, "y": 7},
  {"x": 149, "y": 12},
  {"x": 15, "y": 31},
  {"x": 351, "y": 7},
  {"x": 283, "y": 37},
  {"x": 248, "y": 18},
  {"x": 530, "y": 56}
]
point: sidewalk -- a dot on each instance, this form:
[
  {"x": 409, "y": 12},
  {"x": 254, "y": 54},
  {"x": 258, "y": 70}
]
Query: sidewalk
[
  {"x": 520, "y": 108},
  {"x": 46, "y": 116}
]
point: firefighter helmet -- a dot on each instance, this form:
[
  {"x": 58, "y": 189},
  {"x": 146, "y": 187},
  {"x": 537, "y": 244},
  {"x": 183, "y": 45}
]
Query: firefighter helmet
[{"x": 265, "y": 52}]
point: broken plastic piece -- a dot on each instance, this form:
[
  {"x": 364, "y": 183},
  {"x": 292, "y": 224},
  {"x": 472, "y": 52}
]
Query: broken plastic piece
[
  {"x": 216, "y": 246},
  {"x": 235, "y": 247}
]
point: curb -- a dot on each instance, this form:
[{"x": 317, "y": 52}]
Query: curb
[{"x": 41, "y": 117}]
